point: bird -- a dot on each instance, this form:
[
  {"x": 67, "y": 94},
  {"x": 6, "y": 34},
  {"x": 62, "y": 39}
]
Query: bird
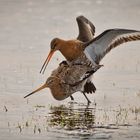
[
  {"x": 64, "y": 81},
  {"x": 92, "y": 52},
  {"x": 86, "y": 33}
]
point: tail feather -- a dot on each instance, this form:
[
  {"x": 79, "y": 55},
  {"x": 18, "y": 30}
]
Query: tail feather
[{"x": 89, "y": 87}]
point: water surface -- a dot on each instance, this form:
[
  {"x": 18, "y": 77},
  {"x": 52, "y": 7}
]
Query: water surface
[{"x": 26, "y": 29}]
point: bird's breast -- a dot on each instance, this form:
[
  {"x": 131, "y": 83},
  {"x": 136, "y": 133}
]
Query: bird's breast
[
  {"x": 71, "y": 50},
  {"x": 60, "y": 92}
]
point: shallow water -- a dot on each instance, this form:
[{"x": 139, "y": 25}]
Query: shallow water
[{"x": 26, "y": 28}]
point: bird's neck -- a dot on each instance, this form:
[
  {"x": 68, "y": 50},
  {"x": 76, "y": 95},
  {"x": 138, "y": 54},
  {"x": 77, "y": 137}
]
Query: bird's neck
[{"x": 71, "y": 49}]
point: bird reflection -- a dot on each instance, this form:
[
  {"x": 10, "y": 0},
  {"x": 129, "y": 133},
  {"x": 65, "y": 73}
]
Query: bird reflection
[{"x": 72, "y": 116}]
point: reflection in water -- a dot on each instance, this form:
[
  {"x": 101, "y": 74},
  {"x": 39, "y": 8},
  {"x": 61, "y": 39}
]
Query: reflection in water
[
  {"x": 76, "y": 121},
  {"x": 73, "y": 116}
]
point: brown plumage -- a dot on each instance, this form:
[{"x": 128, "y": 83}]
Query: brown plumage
[{"x": 62, "y": 81}]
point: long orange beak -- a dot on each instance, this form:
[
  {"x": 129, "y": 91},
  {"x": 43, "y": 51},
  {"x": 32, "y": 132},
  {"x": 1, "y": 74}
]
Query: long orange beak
[
  {"x": 40, "y": 88},
  {"x": 47, "y": 61}
]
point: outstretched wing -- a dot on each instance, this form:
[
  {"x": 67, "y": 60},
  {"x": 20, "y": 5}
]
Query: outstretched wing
[
  {"x": 97, "y": 48},
  {"x": 86, "y": 29}
]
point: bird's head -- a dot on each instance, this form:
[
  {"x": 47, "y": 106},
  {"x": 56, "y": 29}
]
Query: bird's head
[
  {"x": 70, "y": 49},
  {"x": 54, "y": 46},
  {"x": 51, "y": 82}
]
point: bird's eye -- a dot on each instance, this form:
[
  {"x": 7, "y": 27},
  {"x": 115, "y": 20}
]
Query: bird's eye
[
  {"x": 51, "y": 81},
  {"x": 53, "y": 46}
]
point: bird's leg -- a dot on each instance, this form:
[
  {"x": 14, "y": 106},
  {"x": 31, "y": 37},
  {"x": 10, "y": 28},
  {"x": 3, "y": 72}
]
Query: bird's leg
[
  {"x": 86, "y": 98},
  {"x": 71, "y": 97}
]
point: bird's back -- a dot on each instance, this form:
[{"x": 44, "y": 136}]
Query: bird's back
[{"x": 70, "y": 73}]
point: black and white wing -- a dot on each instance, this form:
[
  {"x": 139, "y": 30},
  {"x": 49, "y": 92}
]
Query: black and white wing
[
  {"x": 97, "y": 48},
  {"x": 86, "y": 29}
]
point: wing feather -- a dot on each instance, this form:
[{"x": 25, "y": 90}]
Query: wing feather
[
  {"x": 97, "y": 48},
  {"x": 86, "y": 29}
]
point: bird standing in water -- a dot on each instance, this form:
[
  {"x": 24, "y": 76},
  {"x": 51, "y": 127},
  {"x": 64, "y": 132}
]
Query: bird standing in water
[{"x": 62, "y": 81}]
